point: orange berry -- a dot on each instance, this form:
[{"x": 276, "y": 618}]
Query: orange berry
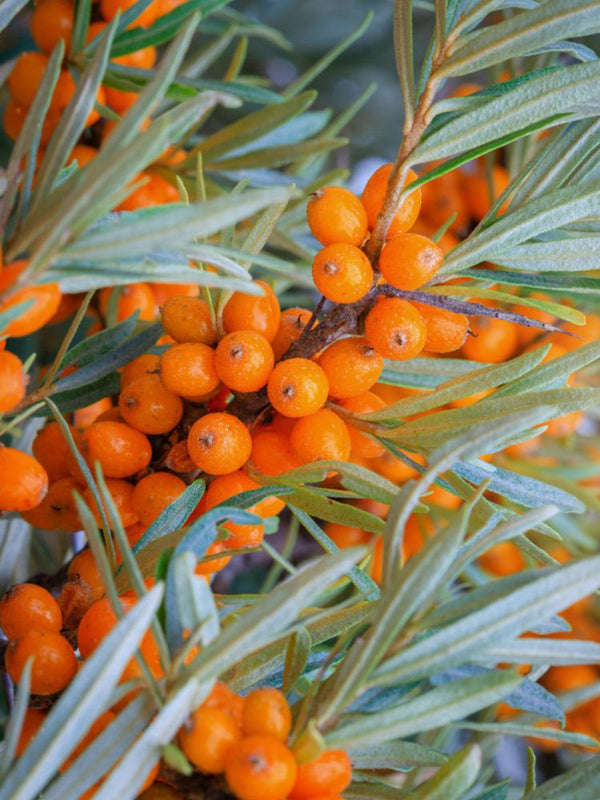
[
  {"x": 120, "y": 449},
  {"x": 297, "y": 387},
  {"x": 27, "y": 606},
  {"x": 164, "y": 291},
  {"x": 244, "y": 312},
  {"x": 154, "y": 493},
  {"x": 223, "y": 487},
  {"x": 465, "y": 89},
  {"x": 244, "y": 361},
  {"x": 133, "y": 297},
  {"x": 84, "y": 417},
  {"x": 50, "y": 22},
  {"x": 352, "y": 367},
  {"x": 222, "y": 697},
  {"x": 100, "y": 723},
  {"x": 46, "y": 299},
  {"x": 330, "y": 772},
  {"x": 122, "y": 497},
  {"x": 441, "y": 198},
  {"x": 188, "y": 369},
  {"x": 146, "y": 364},
  {"x": 335, "y": 215},
  {"x": 188, "y": 319},
  {"x": 476, "y": 190},
  {"x": 291, "y": 324},
  {"x": 219, "y": 443},
  {"x": 84, "y": 568},
  {"x": 12, "y": 381},
  {"x": 23, "y": 481},
  {"x": 207, "y": 738},
  {"x": 362, "y": 445},
  {"x": 493, "y": 340},
  {"x": 26, "y": 76},
  {"x": 155, "y": 190},
  {"x": 267, "y": 713},
  {"x": 395, "y": 329},
  {"x": 110, "y": 8},
  {"x": 569, "y": 678},
  {"x": 373, "y": 196},
  {"x": 146, "y": 404},
  {"x": 54, "y": 662},
  {"x": 346, "y": 535},
  {"x": 409, "y": 261},
  {"x": 260, "y": 768},
  {"x": 215, "y": 564},
  {"x": 121, "y": 102},
  {"x": 342, "y": 273},
  {"x": 98, "y": 622},
  {"x": 321, "y": 436},
  {"x": 57, "y": 511},
  {"x": 272, "y": 454},
  {"x": 13, "y": 118},
  {"x": 32, "y": 722},
  {"x": 83, "y": 154},
  {"x": 446, "y": 331},
  {"x": 503, "y": 559}
]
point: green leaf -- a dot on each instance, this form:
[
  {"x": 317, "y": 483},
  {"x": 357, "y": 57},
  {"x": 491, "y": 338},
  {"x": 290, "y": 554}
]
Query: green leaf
[
  {"x": 253, "y": 126},
  {"x": 574, "y": 254},
  {"x": 557, "y": 652},
  {"x": 453, "y": 778},
  {"x": 522, "y": 33},
  {"x": 129, "y": 235},
  {"x": 83, "y": 15},
  {"x": 581, "y": 782},
  {"x": 13, "y": 728},
  {"x": 100, "y": 343},
  {"x": 502, "y": 619},
  {"x": 325, "y": 508},
  {"x": 174, "y": 516},
  {"x": 163, "y": 29},
  {"x": 397, "y": 755},
  {"x": 78, "y": 397},
  {"x": 270, "y": 157},
  {"x": 564, "y": 282},
  {"x": 426, "y": 373},
  {"x": 538, "y": 216},
  {"x": 549, "y": 96},
  {"x": 433, "y": 709},
  {"x": 296, "y": 657},
  {"x": 77, "y": 708},
  {"x": 529, "y": 731},
  {"x": 499, "y": 791}
]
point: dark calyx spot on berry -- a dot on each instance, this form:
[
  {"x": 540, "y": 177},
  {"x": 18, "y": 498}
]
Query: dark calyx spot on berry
[
  {"x": 400, "y": 339},
  {"x": 330, "y": 268},
  {"x": 257, "y": 762},
  {"x": 237, "y": 351},
  {"x": 367, "y": 351},
  {"x": 207, "y": 440},
  {"x": 288, "y": 391}
]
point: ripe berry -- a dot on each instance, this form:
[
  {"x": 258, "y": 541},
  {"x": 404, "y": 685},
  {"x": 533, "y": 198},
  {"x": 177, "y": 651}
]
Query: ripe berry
[
  {"x": 476, "y": 190},
  {"x": 244, "y": 361},
  {"x": 493, "y": 340},
  {"x": 99, "y": 621},
  {"x": 83, "y": 417},
  {"x": 362, "y": 445},
  {"x": 98, "y": 725},
  {"x": 26, "y": 76},
  {"x": 272, "y": 453},
  {"x": 46, "y": 299},
  {"x": 245, "y": 312},
  {"x": 214, "y": 564},
  {"x": 374, "y": 194},
  {"x": 12, "y": 381},
  {"x": 223, "y": 487},
  {"x": 342, "y": 273},
  {"x": 83, "y": 154},
  {"x": 409, "y": 261},
  {"x": 188, "y": 369},
  {"x": 57, "y": 511},
  {"x": 120, "y": 449},
  {"x": 441, "y": 198},
  {"x": 446, "y": 331},
  {"x": 334, "y": 215},
  {"x": 330, "y": 772},
  {"x": 267, "y": 713},
  {"x": 164, "y": 291},
  {"x": 260, "y": 768},
  {"x": 291, "y": 324},
  {"x": 207, "y": 738},
  {"x": 346, "y": 535},
  {"x": 297, "y": 387},
  {"x": 23, "y": 481},
  {"x": 27, "y": 606},
  {"x": 222, "y": 697},
  {"x": 54, "y": 662},
  {"x": 219, "y": 443},
  {"x": 50, "y": 22},
  {"x": 154, "y": 493},
  {"x": 146, "y": 404},
  {"x": 395, "y": 329},
  {"x": 132, "y": 298},
  {"x": 84, "y": 568},
  {"x": 146, "y": 364},
  {"x": 51, "y": 450},
  {"x": 321, "y": 436},
  {"x": 110, "y": 8},
  {"x": 155, "y": 189},
  {"x": 352, "y": 367},
  {"x": 122, "y": 497},
  {"x": 188, "y": 319}
]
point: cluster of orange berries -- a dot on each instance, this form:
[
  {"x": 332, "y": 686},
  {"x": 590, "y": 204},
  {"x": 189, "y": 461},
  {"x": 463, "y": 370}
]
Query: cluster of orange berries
[
  {"x": 51, "y": 21},
  {"x": 244, "y": 738}
]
